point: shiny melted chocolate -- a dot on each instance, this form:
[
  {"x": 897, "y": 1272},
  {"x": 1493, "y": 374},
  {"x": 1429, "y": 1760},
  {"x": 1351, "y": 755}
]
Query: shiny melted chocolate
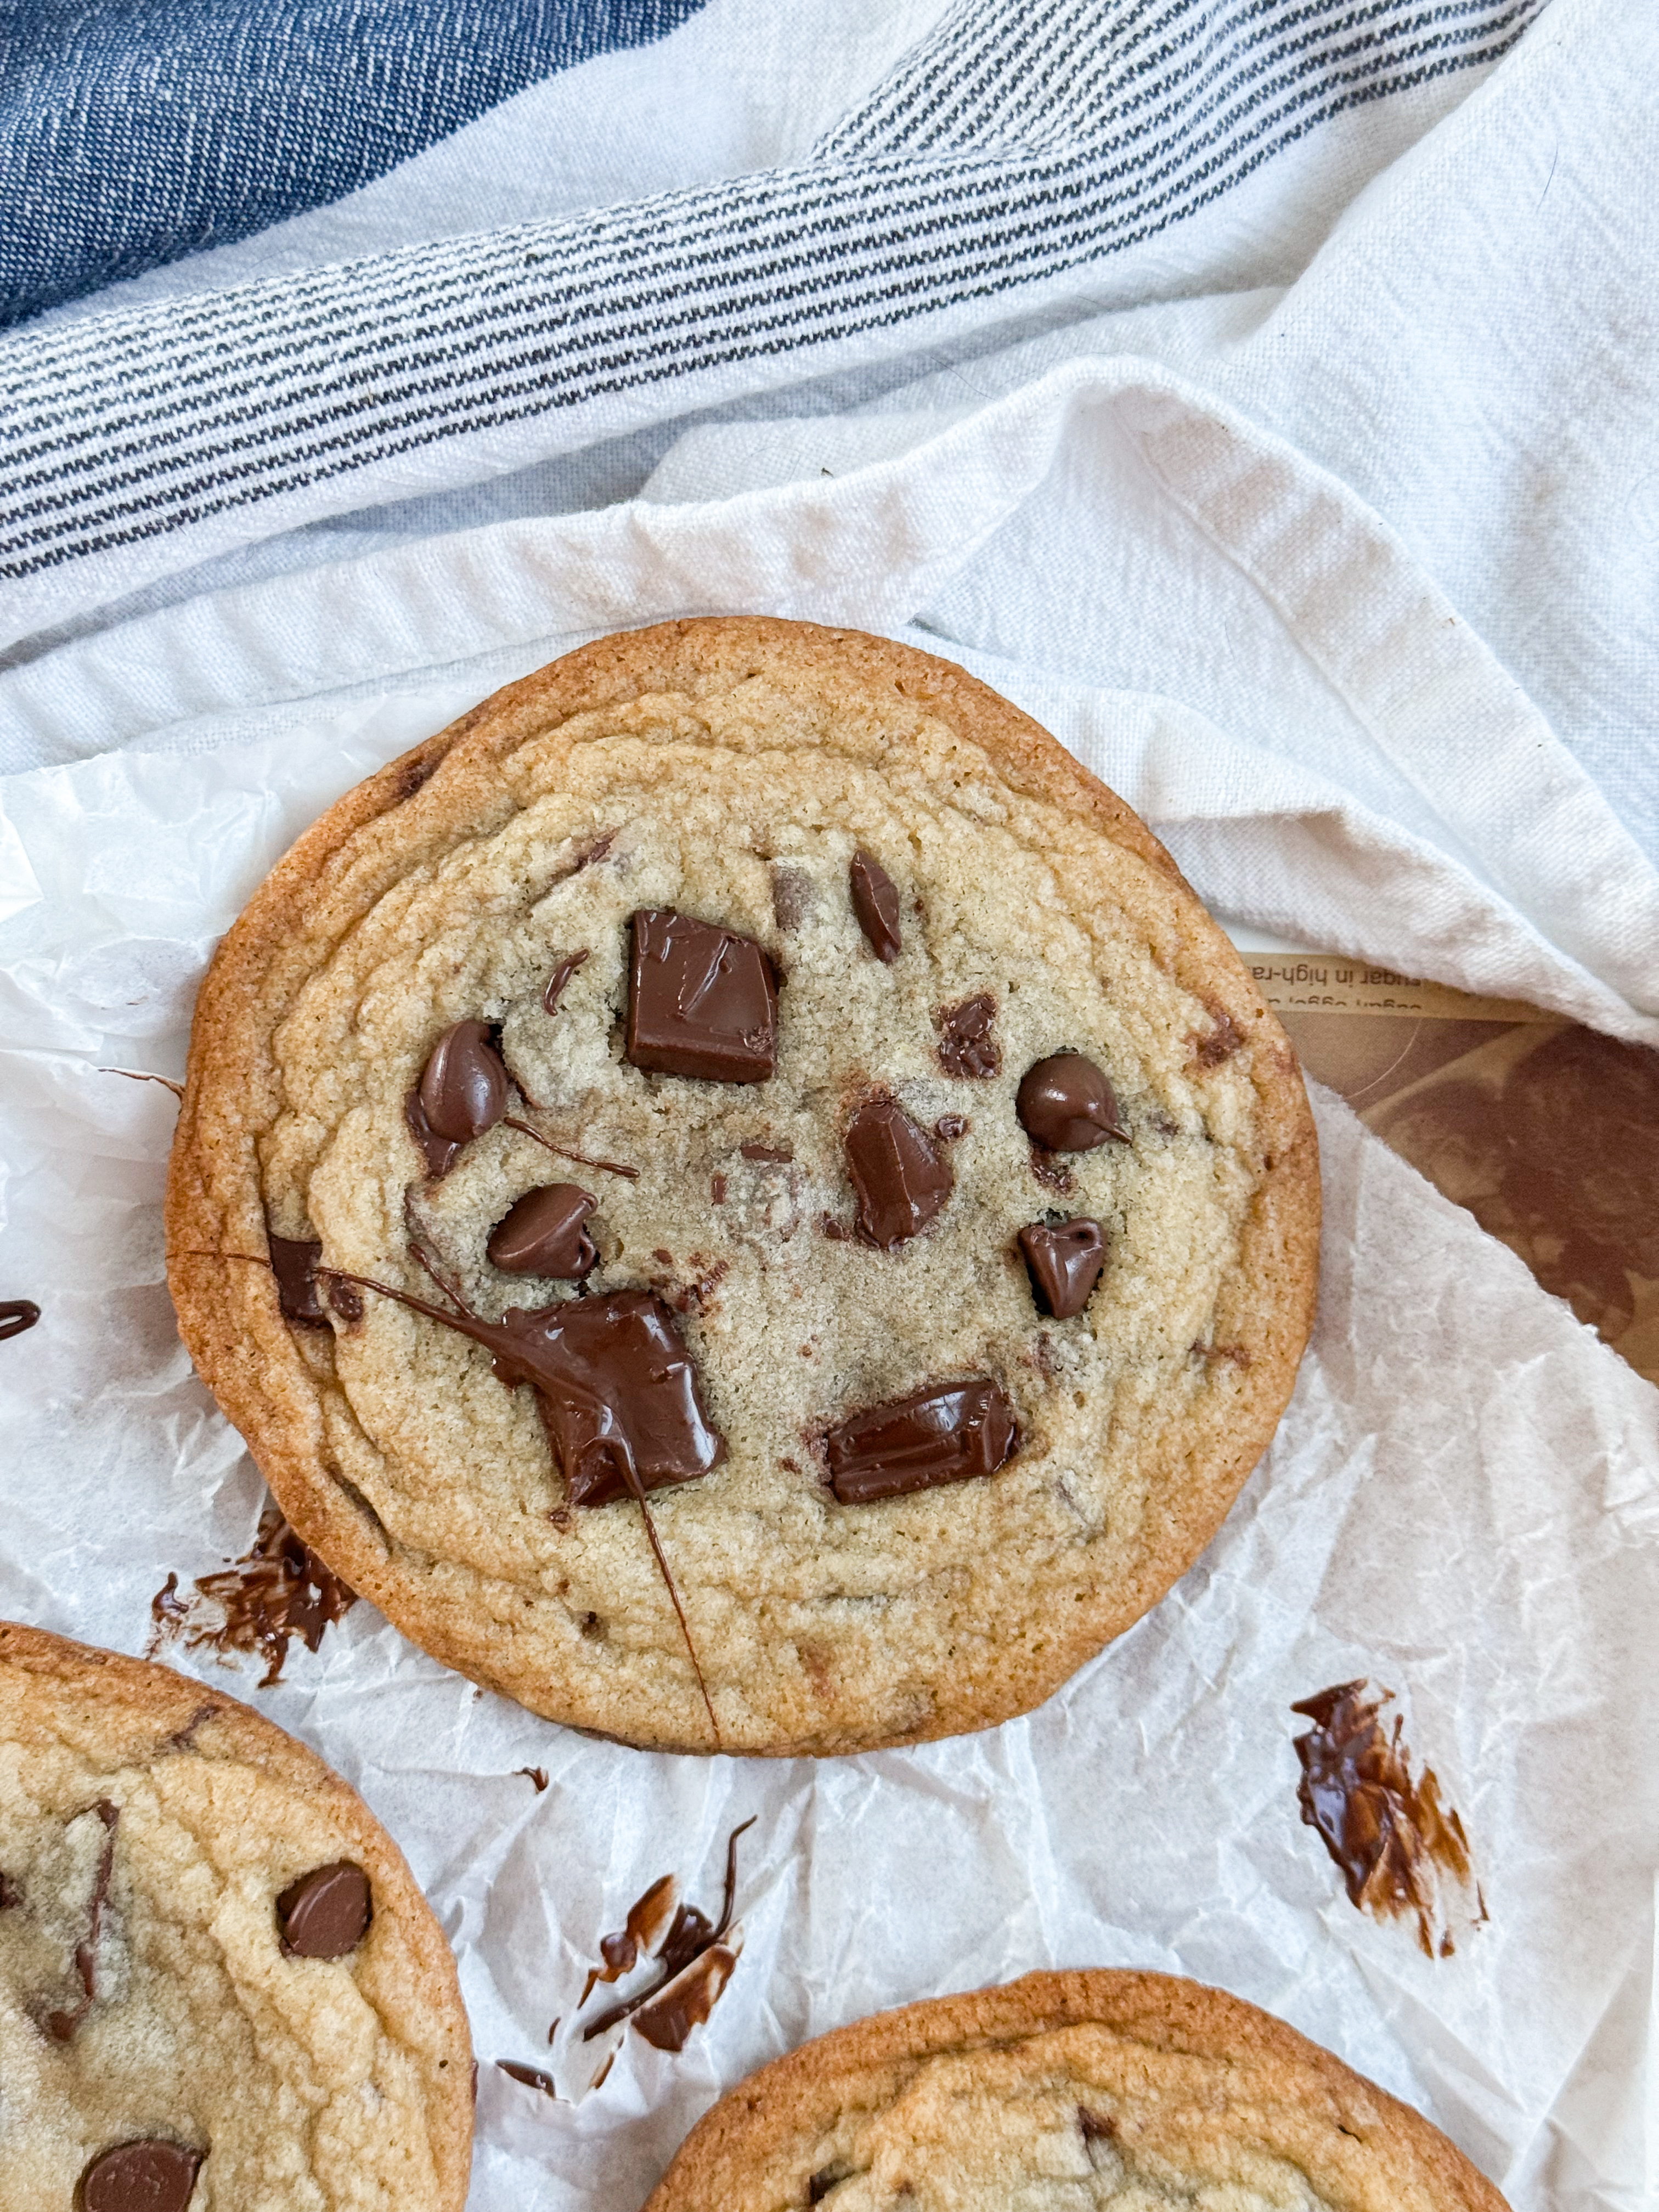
[
  {"x": 18, "y": 1315},
  {"x": 293, "y": 1262},
  {"x": 648, "y": 1918},
  {"x": 326, "y": 1913},
  {"x": 1387, "y": 1834},
  {"x": 694, "y": 1963},
  {"x": 900, "y": 1181},
  {"x": 876, "y": 903},
  {"x": 701, "y": 1001},
  {"x": 531, "y": 2076},
  {"x": 1066, "y": 1104},
  {"x": 561, "y": 976},
  {"x": 1064, "y": 1261},
  {"x": 544, "y": 1234},
  {"x": 278, "y": 1589},
  {"x": 944, "y": 1434}
]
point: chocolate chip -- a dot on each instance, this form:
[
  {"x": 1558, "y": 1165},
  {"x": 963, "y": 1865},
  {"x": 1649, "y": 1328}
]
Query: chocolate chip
[
  {"x": 1064, "y": 1261},
  {"x": 876, "y": 902},
  {"x": 293, "y": 1262},
  {"x": 943, "y": 1435},
  {"x": 900, "y": 1180},
  {"x": 543, "y": 1234},
  {"x": 148, "y": 2176},
  {"x": 1066, "y": 1104},
  {"x": 966, "y": 1047},
  {"x": 346, "y": 1300},
  {"x": 463, "y": 1086},
  {"x": 775, "y": 1152},
  {"x": 561, "y": 976},
  {"x": 702, "y": 1001},
  {"x": 325, "y": 1913},
  {"x": 18, "y": 1315}
]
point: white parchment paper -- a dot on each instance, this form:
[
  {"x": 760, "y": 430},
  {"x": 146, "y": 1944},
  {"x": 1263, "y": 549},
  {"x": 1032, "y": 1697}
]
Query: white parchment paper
[{"x": 1462, "y": 1504}]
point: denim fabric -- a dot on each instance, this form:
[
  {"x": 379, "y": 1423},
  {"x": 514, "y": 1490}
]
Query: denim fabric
[{"x": 133, "y": 131}]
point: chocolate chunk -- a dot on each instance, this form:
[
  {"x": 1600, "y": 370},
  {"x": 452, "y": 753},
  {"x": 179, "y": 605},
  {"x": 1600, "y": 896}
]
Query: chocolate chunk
[
  {"x": 702, "y": 1001},
  {"x": 463, "y": 1087},
  {"x": 792, "y": 898},
  {"x": 326, "y": 1912},
  {"x": 18, "y": 1315},
  {"x": 148, "y": 2176},
  {"x": 943, "y": 1435},
  {"x": 966, "y": 1047},
  {"x": 1064, "y": 1263},
  {"x": 876, "y": 902},
  {"x": 293, "y": 1262},
  {"x": 543, "y": 1234},
  {"x": 561, "y": 976},
  {"x": 901, "y": 1180},
  {"x": 1066, "y": 1104}
]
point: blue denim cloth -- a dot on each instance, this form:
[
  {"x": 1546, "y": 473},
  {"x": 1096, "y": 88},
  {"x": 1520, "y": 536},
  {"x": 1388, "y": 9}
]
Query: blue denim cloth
[{"x": 133, "y": 131}]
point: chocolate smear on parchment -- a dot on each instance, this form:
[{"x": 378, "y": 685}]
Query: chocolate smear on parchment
[
  {"x": 695, "y": 1961},
  {"x": 277, "y": 1590},
  {"x": 18, "y": 1315},
  {"x": 1397, "y": 1848}
]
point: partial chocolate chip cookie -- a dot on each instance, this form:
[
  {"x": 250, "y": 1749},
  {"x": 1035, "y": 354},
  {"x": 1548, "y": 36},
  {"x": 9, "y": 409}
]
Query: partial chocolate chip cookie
[
  {"x": 1068, "y": 2093},
  {"x": 738, "y": 1194},
  {"x": 219, "y": 1985}
]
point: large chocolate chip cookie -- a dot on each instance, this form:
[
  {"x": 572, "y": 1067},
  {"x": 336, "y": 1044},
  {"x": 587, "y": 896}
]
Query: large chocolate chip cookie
[{"x": 738, "y": 1196}]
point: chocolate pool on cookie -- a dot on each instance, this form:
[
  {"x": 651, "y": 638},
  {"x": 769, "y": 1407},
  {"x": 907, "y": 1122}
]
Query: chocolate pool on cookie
[{"x": 714, "y": 1191}]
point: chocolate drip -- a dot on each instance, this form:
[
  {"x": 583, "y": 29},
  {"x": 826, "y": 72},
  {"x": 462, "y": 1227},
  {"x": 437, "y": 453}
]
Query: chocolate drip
[
  {"x": 561, "y": 976},
  {"x": 648, "y": 1916},
  {"x": 932, "y": 1437}
]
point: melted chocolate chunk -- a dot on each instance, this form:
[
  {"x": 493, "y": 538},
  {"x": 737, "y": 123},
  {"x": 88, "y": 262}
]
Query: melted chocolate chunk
[
  {"x": 543, "y": 1234},
  {"x": 701, "y": 1001},
  {"x": 148, "y": 2176},
  {"x": 1386, "y": 1832},
  {"x": 531, "y": 2076},
  {"x": 668, "y": 2020},
  {"x": 463, "y": 1086},
  {"x": 1063, "y": 1263},
  {"x": 439, "y": 1152},
  {"x": 966, "y": 1047},
  {"x": 1066, "y": 1104},
  {"x": 293, "y": 1262},
  {"x": 944, "y": 1434},
  {"x": 61, "y": 2026},
  {"x": 18, "y": 1315},
  {"x": 876, "y": 902},
  {"x": 561, "y": 976},
  {"x": 326, "y": 1914},
  {"x": 900, "y": 1180}
]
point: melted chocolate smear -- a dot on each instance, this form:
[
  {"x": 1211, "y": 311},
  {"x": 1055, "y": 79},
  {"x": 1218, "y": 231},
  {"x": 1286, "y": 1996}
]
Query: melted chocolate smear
[
  {"x": 668, "y": 2020},
  {"x": 618, "y": 1398},
  {"x": 876, "y": 903},
  {"x": 900, "y": 1181},
  {"x": 18, "y": 1315},
  {"x": 1066, "y": 1104},
  {"x": 561, "y": 976},
  {"x": 531, "y": 2076},
  {"x": 148, "y": 2176},
  {"x": 293, "y": 1262},
  {"x": 544, "y": 1234},
  {"x": 537, "y": 1774},
  {"x": 701, "y": 1001},
  {"x": 463, "y": 1087},
  {"x": 61, "y": 2026},
  {"x": 1386, "y": 1832},
  {"x": 1221, "y": 1044},
  {"x": 1063, "y": 1263},
  {"x": 966, "y": 1047},
  {"x": 648, "y": 1916},
  {"x": 278, "y": 1589},
  {"x": 932, "y": 1437},
  {"x": 326, "y": 1914},
  {"x": 689, "y": 1940},
  {"x": 563, "y": 1151}
]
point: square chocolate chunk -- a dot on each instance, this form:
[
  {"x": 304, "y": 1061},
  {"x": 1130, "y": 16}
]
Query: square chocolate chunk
[{"x": 701, "y": 1001}]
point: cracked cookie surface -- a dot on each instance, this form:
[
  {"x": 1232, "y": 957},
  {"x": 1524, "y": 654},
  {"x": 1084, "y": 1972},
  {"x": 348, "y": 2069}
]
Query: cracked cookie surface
[
  {"x": 825, "y": 1219},
  {"x": 1103, "y": 2092},
  {"x": 219, "y": 1985}
]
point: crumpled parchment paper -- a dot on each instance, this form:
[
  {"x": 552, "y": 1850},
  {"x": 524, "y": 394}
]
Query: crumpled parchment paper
[{"x": 1462, "y": 1504}]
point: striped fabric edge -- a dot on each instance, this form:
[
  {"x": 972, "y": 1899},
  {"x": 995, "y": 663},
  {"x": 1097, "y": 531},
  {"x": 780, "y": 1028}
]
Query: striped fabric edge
[{"x": 192, "y": 408}]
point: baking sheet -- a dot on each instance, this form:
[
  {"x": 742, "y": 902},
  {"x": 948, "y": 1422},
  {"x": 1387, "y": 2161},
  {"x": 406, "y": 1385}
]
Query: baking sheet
[{"x": 1462, "y": 1505}]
